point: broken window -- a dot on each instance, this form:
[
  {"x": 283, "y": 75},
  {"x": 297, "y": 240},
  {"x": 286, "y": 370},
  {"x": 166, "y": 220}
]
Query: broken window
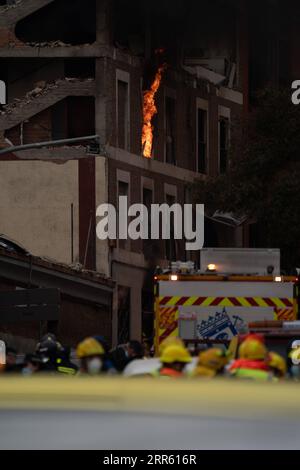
[
  {"x": 201, "y": 140},
  {"x": 223, "y": 144},
  {"x": 170, "y": 123}
]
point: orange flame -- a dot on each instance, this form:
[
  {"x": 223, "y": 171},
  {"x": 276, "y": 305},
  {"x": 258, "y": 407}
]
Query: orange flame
[{"x": 149, "y": 110}]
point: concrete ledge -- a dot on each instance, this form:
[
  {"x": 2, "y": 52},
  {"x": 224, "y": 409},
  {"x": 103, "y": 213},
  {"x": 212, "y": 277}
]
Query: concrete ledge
[
  {"x": 86, "y": 50},
  {"x": 57, "y": 155},
  {"x": 152, "y": 165}
]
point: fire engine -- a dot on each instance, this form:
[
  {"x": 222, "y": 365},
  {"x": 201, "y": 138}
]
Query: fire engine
[{"x": 213, "y": 307}]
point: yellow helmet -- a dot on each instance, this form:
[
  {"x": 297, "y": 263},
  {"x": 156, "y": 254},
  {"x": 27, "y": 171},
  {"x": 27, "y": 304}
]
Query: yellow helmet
[
  {"x": 277, "y": 362},
  {"x": 89, "y": 347},
  {"x": 170, "y": 341},
  {"x": 213, "y": 358},
  {"x": 175, "y": 353},
  {"x": 252, "y": 348},
  {"x": 294, "y": 354},
  {"x": 202, "y": 371}
]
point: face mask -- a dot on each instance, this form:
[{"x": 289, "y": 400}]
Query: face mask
[{"x": 94, "y": 366}]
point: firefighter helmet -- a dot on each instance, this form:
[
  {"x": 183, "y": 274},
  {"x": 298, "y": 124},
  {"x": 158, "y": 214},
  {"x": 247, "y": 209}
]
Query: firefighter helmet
[
  {"x": 89, "y": 347},
  {"x": 170, "y": 341},
  {"x": 213, "y": 358},
  {"x": 175, "y": 353},
  {"x": 253, "y": 348}
]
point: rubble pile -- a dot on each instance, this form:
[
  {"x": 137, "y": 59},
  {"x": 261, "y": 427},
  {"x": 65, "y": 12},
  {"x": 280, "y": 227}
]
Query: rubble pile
[
  {"x": 56, "y": 43},
  {"x": 10, "y": 5},
  {"x": 45, "y": 44}
]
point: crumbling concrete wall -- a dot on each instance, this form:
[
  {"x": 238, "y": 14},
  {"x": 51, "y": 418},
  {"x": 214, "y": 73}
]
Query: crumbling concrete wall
[
  {"x": 10, "y": 15},
  {"x": 42, "y": 97},
  {"x": 31, "y": 21}
]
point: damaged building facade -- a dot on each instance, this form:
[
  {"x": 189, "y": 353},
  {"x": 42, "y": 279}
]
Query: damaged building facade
[{"x": 76, "y": 68}]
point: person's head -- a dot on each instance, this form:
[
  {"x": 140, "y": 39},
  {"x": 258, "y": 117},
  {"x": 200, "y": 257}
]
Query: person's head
[
  {"x": 253, "y": 348},
  {"x": 49, "y": 347},
  {"x": 175, "y": 357},
  {"x": 135, "y": 349},
  {"x": 11, "y": 356},
  {"x": 213, "y": 358},
  {"x": 91, "y": 354}
]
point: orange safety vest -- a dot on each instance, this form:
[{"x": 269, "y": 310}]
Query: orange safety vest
[{"x": 167, "y": 372}]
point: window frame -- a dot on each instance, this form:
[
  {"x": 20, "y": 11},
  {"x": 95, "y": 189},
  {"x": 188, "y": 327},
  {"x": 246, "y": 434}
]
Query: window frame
[{"x": 123, "y": 76}]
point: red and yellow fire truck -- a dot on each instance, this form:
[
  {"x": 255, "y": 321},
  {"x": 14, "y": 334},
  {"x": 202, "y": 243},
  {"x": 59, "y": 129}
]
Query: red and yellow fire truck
[{"x": 216, "y": 307}]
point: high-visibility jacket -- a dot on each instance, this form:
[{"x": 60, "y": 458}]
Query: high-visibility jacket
[{"x": 249, "y": 369}]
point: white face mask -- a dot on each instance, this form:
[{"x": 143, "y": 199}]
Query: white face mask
[{"x": 94, "y": 366}]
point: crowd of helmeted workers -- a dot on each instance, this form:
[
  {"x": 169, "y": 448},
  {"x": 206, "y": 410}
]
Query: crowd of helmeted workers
[{"x": 247, "y": 357}]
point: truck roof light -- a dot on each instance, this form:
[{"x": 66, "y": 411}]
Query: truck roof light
[{"x": 211, "y": 267}]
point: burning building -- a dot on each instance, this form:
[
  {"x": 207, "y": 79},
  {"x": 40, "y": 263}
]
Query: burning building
[{"x": 161, "y": 80}]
